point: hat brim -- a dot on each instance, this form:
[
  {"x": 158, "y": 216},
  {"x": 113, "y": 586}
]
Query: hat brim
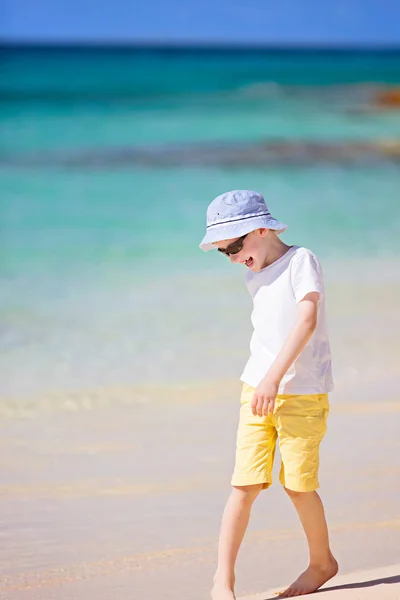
[{"x": 217, "y": 233}]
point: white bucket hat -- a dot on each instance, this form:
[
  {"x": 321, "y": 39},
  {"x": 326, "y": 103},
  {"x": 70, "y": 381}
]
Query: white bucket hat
[{"x": 236, "y": 213}]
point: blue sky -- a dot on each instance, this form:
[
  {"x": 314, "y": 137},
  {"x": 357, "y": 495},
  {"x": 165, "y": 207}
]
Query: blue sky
[{"x": 369, "y": 22}]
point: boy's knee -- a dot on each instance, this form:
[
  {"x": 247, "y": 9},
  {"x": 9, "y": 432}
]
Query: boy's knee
[
  {"x": 247, "y": 493},
  {"x": 294, "y": 495}
]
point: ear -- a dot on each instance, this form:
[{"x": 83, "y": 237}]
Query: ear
[{"x": 263, "y": 232}]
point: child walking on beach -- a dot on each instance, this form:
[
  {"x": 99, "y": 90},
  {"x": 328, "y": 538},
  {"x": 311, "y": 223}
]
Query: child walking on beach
[{"x": 285, "y": 382}]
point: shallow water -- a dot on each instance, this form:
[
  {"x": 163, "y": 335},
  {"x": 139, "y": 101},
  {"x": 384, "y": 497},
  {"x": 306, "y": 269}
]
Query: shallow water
[{"x": 102, "y": 281}]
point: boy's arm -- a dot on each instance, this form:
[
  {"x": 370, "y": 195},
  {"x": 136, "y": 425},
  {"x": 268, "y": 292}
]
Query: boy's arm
[{"x": 307, "y": 313}]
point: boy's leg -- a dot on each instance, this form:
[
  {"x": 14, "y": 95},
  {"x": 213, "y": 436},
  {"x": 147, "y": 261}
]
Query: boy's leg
[
  {"x": 255, "y": 448},
  {"x": 233, "y": 527},
  {"x": 323, "y": 565},
  {"x": 301, "y": 425}
]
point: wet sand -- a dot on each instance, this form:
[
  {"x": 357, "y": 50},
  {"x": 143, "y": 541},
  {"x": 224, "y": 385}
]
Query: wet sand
[{"x": 128, "y": 499}]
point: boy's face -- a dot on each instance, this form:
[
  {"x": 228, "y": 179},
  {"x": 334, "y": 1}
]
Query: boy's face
[{"x": 253, "y": 252}]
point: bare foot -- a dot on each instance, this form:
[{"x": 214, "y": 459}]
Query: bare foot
[
  {"x": 311, "y": 580},
  {"x": 220, "y": 592}
]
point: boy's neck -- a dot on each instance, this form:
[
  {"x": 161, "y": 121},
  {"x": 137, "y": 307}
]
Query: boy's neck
[{"x": 275, "y": 249}]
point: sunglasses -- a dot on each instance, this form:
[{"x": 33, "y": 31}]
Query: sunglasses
[{"x": 235, "y": 247}]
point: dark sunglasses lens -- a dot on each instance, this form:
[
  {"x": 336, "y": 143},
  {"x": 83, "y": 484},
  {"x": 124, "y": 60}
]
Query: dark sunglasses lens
[{"x": 235, "y": 247}]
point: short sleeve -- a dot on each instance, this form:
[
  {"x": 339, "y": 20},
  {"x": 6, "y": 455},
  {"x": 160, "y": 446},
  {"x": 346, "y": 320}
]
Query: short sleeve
[{"x": 306, "y": 275}]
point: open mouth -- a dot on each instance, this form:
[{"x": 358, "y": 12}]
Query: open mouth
[{"x": 249, "y": 262}]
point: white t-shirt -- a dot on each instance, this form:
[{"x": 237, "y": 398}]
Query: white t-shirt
[{"x": 276, "y": 290}]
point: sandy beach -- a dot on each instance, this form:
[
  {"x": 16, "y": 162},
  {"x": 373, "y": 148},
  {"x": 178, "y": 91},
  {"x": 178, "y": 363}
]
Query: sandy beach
[
  {"x": 128, "y": 502},
  {"x": 100, "y": 501}
]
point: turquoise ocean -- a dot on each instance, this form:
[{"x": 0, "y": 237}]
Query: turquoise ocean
[{"x": 108, "y": 160}]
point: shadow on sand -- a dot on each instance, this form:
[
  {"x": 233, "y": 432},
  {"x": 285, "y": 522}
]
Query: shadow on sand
[
  {"x": 363, "y": 584},
  {"x": 353, "y": 586}
]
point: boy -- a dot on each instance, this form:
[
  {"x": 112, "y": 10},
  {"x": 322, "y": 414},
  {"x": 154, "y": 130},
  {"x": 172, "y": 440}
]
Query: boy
[{"x": 285, "y": 382}]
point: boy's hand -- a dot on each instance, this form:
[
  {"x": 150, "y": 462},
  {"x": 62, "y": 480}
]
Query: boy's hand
[{"x": 263, "y": 402}]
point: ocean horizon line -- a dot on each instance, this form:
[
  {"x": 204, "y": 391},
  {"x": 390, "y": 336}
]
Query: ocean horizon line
[{"x": 196, "y": 46}]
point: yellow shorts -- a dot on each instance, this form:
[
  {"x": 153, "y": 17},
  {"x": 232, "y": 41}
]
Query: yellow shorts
[{"x": 299, "y": 423}]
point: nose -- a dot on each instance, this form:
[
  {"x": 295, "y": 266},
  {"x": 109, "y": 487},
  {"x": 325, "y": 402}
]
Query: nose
[{"x": 233, "y": 258}]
